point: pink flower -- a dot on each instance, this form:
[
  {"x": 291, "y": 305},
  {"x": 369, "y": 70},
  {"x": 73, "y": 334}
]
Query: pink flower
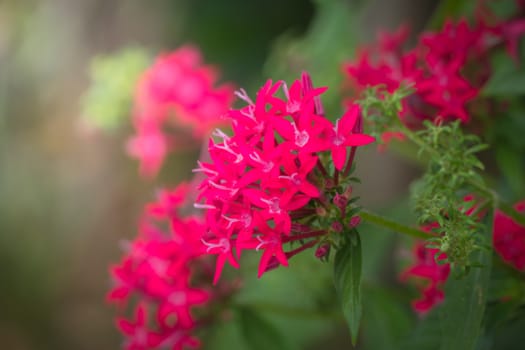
[
  {"x": 165, "y": 270},
  {"x": 447, "y": 68},
  {"x": 430, "y": 275},
  {"x": 269, "y": 173},
  {"x": 223, "y": 248},
  {"x": 270, "y": 242},
  {"x": 139, "y": 337},
  {"x": 149, "y": 145},
  {"x": 176, "y": 91},
  {"x": 509, "y": 238},
  {"x": 510, "y": 33},
  {"x": 343, "y": 136}
]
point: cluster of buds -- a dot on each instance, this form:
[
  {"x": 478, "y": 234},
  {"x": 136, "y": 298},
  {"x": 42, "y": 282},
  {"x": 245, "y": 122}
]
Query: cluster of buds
[
  {"x": 167, "y": 274},
  {"x": 178, "y": 92},
  {"x": 271, "y": 183}
]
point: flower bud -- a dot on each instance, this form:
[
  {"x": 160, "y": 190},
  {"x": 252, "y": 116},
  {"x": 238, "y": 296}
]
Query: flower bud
[
  {"x": 322, "y": 251},
  {"x": 348, "y": 192},
  {"x": 340, "y": 201},
  {"x": 272, "y": 264},
  {"x": 358, "y": 126},
  {"x": 355, "y": 221},
  {"x": 337, "y": 226}
]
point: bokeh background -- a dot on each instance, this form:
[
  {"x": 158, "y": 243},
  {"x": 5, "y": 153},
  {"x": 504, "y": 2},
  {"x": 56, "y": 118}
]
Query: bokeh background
[{"x": 69, "y": 194}]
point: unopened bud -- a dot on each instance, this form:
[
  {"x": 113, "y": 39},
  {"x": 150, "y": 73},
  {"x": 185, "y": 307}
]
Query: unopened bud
[
  {"x": 272, "y": 264},
  {"x": 320, "y": 211},
  {"x": 337, "y": 226},
  {"x": 340, "y": 201},
  {"x": 358, "y": 126},
  {"x": 348, "y": 192},
  {"x": 322, "y": 251},
  {"x": 355, "y": 221}
]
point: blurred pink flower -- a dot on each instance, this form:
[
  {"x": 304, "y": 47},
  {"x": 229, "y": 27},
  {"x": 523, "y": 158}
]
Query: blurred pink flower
[
  {"x": 509, "y": 238},
  {"x": 447, "y": 68},
  {"x": 165, "y": 271},
  {"x": 178, "y": 91}
]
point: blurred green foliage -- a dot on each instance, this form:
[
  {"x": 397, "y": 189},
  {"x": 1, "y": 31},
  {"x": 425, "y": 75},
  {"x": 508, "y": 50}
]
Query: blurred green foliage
[{"x": 108, "y": 102}]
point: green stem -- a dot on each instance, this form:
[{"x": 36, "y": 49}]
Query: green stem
[
  {"x": 393, "y": 225},
  {"x": 419, "y": 141}
]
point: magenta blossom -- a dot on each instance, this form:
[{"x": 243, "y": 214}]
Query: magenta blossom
[
  {"x": 269, "y": 173},
  {"x": 177, "y": 93},
  {"x": 165, "y": 270},
  {"x": 446, "y": 68}
]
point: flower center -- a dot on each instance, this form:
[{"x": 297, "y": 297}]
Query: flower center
[
  {"x": 293, "y": 107},
  {"x": 273, "y": 205},
  {"x": 246, "y": 219},
  {"x": 301, "y": 138},
  {"x": 178, "y": 298},
  {"x": 295, "y": 179},
  {"x": 338, "y": 140}
]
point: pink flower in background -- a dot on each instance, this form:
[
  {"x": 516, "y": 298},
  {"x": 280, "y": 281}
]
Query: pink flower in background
[
  {"x": 430, "y": 275},
  {"x": 176, "y": 96},
  {"x": 510, "y": 33},
  {"x": 343, "y": 136},
  {"x": 268, "y": 174},
  {"x": 166, "y": 272},
  {"x": 509, "y": 238},
  {"x": 447, "y": 68},
  {"x": 150, "y": 145}
]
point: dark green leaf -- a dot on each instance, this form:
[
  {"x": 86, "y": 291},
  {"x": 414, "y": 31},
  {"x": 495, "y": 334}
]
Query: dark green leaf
[
  {"x": 465, "y": 299},
  {"x": 258, "y": 333},
  {"x": 512, "y": 165},
  {"x": 347, "y": 279},
  {"x": 427, "y": 335},
  {"x": 388, "y": 317},
  {"x": 448, "y": 9},
  {"x": 508, "y": 79}
]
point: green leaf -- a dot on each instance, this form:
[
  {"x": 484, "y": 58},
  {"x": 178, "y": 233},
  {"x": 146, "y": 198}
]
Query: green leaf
[
  {"x": 465, "y": 299},
  {"x": 108, "y": 101},
  {"x": 450, "y": 9},
  {"x": 258, "y": 333},
  {"x": 512, "y": 166},
  {"x": 427, "y": 334},
  {"x": 388, "y": 318},
  {"x": 347, "y": 279},
  {"x": 508, "y": 79}
]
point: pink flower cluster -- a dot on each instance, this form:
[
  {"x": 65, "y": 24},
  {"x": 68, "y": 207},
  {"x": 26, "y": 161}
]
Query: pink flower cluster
[
  {"x": 446, "y": 68},
  {"x": 165, "y": 270},
  {"x": 508, "y": 241},
  {"x": 263, "y": 177},
  {"x": 431, "y": 275},
  {"x": 509, "y": 238},
  {"x": 178, "y": 92}
]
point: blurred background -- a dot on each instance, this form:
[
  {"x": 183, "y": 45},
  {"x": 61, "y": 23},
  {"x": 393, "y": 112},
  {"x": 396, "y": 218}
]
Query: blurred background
[{"x": 69, "y": 193}]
